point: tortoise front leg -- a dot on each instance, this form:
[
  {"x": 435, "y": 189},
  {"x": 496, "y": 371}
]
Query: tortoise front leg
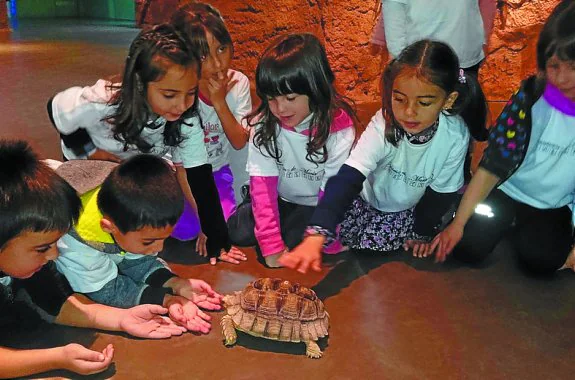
[
  {"x": 312, "y": 350},
  {"x": 228, "y": 330}
]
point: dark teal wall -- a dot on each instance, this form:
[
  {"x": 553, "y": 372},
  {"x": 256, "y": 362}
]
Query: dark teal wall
[
  {"x": 90, "y": 9},
  {"x": 108, "y": 9}
]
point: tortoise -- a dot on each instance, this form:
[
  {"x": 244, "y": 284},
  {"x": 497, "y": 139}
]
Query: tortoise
[{"x": 276, "y": 309}]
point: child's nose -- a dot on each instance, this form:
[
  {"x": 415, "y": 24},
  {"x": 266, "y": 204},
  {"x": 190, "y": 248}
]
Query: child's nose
[
  {"x": 410, "y": 110},
  {"x": 281, "y": 105},
  {"x": 217, "y": 62},
  {"x": 157, "y": 247},
  {"x": 51, "y": 254},
  {"x": 562, "y": 76},
  {"x": 183, "y": 105}
]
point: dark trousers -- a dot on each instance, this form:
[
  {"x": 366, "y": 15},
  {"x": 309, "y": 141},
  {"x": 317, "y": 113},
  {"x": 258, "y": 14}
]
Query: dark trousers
[
  {"x": 293, "y": 222},
  {"x": 542, "y": 238}
]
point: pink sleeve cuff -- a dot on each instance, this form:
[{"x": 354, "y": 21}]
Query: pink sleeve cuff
[{"x": 264, "y": 194}]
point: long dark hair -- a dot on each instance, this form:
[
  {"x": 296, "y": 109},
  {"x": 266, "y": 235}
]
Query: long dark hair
[
  {"x": 150, "y": 55},
  {"x": 558, "y": 35},
  {"x": 438, "y": 64},
  {"x": 297, "y": 64},
  {"x": 195, "y": 19}
]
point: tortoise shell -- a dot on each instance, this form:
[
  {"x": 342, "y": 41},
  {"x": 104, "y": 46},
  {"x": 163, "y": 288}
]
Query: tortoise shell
[{"x": 277, "y": 309}]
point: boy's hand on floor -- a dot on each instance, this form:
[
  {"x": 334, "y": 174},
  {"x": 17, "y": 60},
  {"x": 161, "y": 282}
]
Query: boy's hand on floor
[
  {"x": 84, "y": 361},
  {"x": 146, "y": 321},
  {"x": 187, "y": 314},
  {"x": 234, "y": 256},
  {"x": 200, "y": 293}
]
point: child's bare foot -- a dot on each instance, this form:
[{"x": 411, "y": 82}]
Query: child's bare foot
[
  {"x": 272, "y": 260},
  {"x": 570, "y": 262}
]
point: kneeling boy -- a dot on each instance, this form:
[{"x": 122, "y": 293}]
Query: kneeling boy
[
  {"x": 36, "y": 208},
  {"x": 110, "y": 254}
]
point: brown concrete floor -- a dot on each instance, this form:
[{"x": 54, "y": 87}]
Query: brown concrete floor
[{"x": 392, "y": 317}]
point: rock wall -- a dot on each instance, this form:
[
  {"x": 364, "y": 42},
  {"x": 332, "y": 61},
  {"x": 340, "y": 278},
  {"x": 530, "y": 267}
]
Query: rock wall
[
  {"x": 512, "y": 46},
  {"x": 345, "y": 27}
]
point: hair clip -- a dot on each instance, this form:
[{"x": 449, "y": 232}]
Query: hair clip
[{"x": 461, "y": 77}]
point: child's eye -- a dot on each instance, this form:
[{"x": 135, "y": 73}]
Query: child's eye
[
  {"x": 425, "y": 104},
  {"x": 203, "y": 58},
  {"x": 222, "y": 49},
  {"x": 147, "y": 243},
  {"x": 43, "y": 249},
  {"x": 291, "y": 98},
  {"x": 169, "y": 96},
  {"x": 399, "y": 100}
]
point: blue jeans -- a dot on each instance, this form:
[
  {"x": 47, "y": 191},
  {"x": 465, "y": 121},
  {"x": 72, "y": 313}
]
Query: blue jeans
[{"x": 126, "y": 289}]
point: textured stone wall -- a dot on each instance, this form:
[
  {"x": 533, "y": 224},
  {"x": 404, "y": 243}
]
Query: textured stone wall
[
  {"x": 345, "y": 27},
  {"x": 512, "y": 47}
]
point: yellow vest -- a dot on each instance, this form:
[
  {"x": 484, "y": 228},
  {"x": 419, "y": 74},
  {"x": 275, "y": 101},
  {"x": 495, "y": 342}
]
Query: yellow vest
[
  {"x": 88, "y": 229},
  {"x": 88, "y": 226}
]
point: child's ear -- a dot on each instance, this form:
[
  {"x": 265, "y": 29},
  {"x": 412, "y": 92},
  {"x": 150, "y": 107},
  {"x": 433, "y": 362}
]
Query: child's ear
[
  {"x": 450, "y": 100},
  {"x": 108, "y": 225}
]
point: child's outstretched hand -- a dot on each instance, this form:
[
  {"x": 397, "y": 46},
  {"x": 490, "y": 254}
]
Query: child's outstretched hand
[
  {"x": 420, "y": 248},
  {"x": 446, "y": 240},
  {"x": 187, "y": 314},
  {"x": 84, "y": 361},
  {"x": 234, "y": 256},
  {"x": 304, "y": 256},
  {"x": 197, "y": 291},
  {"x": 146, "y": 321}
]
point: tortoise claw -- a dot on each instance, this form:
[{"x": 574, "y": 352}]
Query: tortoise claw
[
  {"x": 312, "y": 350},
  {"x": 228, "y": 330}
]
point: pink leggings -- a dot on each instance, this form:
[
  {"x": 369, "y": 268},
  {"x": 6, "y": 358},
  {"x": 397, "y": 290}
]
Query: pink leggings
[{"x": 188, "y": 226}]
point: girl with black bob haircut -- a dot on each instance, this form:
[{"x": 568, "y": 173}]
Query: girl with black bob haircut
[
  {"x": 297, "y": 65},
  {"x": 302, "y": 132}
]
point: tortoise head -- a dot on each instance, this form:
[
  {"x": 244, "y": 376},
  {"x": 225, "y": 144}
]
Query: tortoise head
[{"x": 231, "y": 299}]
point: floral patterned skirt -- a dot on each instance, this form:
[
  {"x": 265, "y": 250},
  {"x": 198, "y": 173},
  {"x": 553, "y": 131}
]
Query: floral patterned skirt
[{"x": 365, "y": 227}]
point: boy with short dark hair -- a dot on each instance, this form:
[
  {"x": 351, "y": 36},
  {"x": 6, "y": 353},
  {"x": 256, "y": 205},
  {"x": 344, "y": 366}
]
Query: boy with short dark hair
[
  {"x": 36, "y": 208},
  {"x": 110, "y": 253}
]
